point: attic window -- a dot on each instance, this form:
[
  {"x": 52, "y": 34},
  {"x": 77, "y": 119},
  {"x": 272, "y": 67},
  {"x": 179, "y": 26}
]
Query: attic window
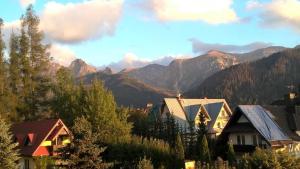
[
  {"x": 28, "y": 139},
  {"x": 27, "y": 142}
]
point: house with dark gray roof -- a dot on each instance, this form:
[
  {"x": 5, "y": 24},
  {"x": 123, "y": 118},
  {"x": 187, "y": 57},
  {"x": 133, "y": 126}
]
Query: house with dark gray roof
[
  {"x": 261, "y": 126},
  {"x": 186, "y": 112}
]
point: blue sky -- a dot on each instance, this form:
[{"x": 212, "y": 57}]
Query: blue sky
[{"x": 151, "y": 29}]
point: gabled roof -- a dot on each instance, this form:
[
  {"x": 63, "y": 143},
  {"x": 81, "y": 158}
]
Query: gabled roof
[
  {"x": 188, "y": 109},
  {"x": 280, "y": 116},
  {"x": 36, "y": 132},
  {"x": 263, "y": 122}
]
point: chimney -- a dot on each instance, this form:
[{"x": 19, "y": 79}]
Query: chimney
[{"x": 178, "y": 96}]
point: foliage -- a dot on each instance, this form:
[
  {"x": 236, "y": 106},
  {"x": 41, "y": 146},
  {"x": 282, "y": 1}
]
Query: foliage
[
  {"x": 204, "y": 154},
  {"x": 269, "y": 159},
  {"x": 8, "y": 154},
  {"x": 179, "y": 151},
  {"x": 144, "y": 164},
  {"x": 126, "y": 153},
  {"x": 231, "y": 155},
  {"x": 43, "y": 162},
  {"x": 82, "y": 152}
]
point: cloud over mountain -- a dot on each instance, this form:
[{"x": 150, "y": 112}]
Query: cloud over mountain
[
  {"x": 25, "y": 3},
  {"x": 202, "y": 47},
  {"x": 131, "y": 60},
  {"x": 212, "y": 12},
  {"x": 77, "y": 22},
  {"x": 62, "y": 54}
]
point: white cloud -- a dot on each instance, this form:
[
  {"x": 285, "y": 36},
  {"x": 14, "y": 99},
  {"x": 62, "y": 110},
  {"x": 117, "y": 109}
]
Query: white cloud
[
  {"x": 76, "y": 22},
  {"x": 212, "y": 11},
  {"x": 253, "y": 4},
  {"x": 8, "y": 27},
  {"x": 130, "y": 61},
  {"x": 62, "y": 54},
  {"x": 202, "y": 47},
  {"x": 280, "y": 13},
  {"x": 25, "y": 3}
]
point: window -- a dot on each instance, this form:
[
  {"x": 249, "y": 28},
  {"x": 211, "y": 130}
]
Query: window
[
  {"x": 26, "y": 164},
  {"x": 254, "y": 140},
  {"x": 243, "y": 140},
  {"x": 240, "y": 139}
]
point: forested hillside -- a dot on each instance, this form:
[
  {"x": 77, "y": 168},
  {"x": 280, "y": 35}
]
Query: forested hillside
[
  {"x": 259, "y": 82},
  {"x": 127, "y": 91},
  {"x": 183, "y": 74}
]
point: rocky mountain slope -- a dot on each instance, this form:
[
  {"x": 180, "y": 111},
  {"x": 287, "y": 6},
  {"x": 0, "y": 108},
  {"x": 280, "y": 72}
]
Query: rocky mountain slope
[
  {"x": 79, "y": 68},
  {"x": 184, "y": 74},
  {"x": 258, "y": 82}
]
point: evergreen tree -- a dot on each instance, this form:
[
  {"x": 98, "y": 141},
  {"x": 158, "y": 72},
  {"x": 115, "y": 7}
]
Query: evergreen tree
[
  {"x": 204, "y": 155},
  {"x": 179, "y": 151},
  {"x": 7, "y": 103},
  {"x": 83, "y": 152},
  {"x": 231, "y": 155},
  {"x": 8, "y": 154},
  {"x": 144, "y": 164},
  {"x": 2, "y": 62},
  {"x": 34, "y": 62},
  {"x": 192, "y": 142},
  {"x": 14, "y": 64}
]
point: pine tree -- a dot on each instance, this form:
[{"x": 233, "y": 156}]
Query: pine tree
[
  {"x": 144, "y": 164},
  {"x": 2, "y": 62},
  {"x": 204, "y": 155},
  {"x": 83, "y": 151},
  {"x": 7, "y": 104},
  {"x": 8, "y": 153},
  {"x": 231, "y": 155},
  {"x": 14, "y": 64},
  {"x": 179, "y": 151},
  {"x": 34, "y": 62}
]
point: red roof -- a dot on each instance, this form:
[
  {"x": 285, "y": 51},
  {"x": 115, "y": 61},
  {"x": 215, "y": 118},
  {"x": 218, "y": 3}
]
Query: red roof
[{"x": 36, "y": 132}]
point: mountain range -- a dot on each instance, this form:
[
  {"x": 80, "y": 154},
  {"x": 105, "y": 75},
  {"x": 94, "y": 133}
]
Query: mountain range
[
  {"x": 196, "y": 77},
  {"x": 259, "y": 82},
  {"x": 184, "y": 74}
]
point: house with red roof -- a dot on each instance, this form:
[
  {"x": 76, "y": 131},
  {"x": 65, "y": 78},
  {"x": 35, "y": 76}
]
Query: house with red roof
[{"x": 39, "y": 138}]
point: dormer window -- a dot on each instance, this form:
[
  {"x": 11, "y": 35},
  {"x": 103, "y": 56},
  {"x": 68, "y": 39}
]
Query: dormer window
[
  {"x": 27, "y": 142},
  {"x": 28, "y": 139}
]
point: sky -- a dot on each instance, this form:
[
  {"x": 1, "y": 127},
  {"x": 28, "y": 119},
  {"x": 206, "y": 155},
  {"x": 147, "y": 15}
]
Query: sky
[{"x": 124, "y": 33}]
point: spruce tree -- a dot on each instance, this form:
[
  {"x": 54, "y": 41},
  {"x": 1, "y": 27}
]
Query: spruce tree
[
  {"x": 204, "y": 155},
  {"x": 7, "y": 103},
  {"x": 83, "y": 151},
  {"x": 179, "y": 151},
  {"x": 14, "y": 64},
  {"x": 34, "y": 62},
  {"x": 231, "y": 155},
  {"x": 8, "y": 154},
  {"x": 2, "y": 61}
]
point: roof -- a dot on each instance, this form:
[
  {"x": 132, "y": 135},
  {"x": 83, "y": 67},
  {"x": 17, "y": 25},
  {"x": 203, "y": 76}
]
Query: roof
[
  {"x": 37, "y": 132},
  {"x": 188, "y": 109},
  {"x": 263, "y": 123},
  {"x": 280, "y": 116}
]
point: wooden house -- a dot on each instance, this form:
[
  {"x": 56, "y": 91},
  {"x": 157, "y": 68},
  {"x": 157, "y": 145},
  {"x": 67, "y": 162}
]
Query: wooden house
[
  {"x": 39, "y": 138},
  {"x": 186, "y": 112},
  {"x": 266, "y": 127}
]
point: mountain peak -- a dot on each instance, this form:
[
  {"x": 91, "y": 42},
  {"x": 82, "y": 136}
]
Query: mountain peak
[
  {"x": 80, "y": 68},
  {"x": 215, "y": 53}
]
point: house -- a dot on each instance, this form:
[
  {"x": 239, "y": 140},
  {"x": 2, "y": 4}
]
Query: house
[
  {"x": 186, "y": 112},
  {"x": 39, "y": 138},
  {"x": 255, "y": 126}
]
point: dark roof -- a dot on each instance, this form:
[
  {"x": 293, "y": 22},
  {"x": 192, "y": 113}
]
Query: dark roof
[
  {"x": 241, "y": 127},
  {"x": 280, "y": 115},
  {"x": 263, "y": 122},
  {"x": 36, "y": 131},
  {"x": 192, "y": 111}
]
